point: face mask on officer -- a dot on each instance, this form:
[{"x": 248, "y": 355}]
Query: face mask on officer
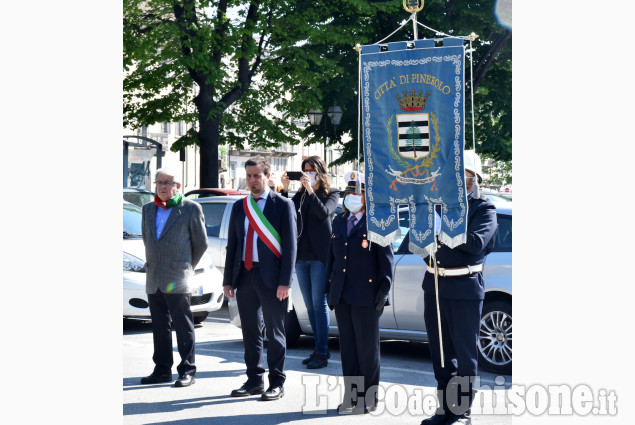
[{"x": 353, "y": 203}]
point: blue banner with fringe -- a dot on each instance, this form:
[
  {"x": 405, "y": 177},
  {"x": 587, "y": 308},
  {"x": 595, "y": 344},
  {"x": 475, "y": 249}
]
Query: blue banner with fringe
[{"x": 413, "y": 136}]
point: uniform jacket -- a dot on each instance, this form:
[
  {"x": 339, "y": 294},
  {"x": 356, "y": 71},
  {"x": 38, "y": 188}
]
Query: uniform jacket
[
  {"x": 316, "y": 223},
  {"x": 356, "y": 274},
  {"x": 481, "y": 232},
  {"x": 171, "y": 259},
  {"x": 274, "y": 271}
]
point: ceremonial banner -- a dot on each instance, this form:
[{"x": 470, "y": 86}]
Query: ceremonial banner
[{"x": 413, "y": 131}]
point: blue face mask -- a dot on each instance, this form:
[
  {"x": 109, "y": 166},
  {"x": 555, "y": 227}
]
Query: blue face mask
[{"x": 353, "y": 203}]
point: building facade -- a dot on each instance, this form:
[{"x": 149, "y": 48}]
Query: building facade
[{"x": 140, "y": 160}]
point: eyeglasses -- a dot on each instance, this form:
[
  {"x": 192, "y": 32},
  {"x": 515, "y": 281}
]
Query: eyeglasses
[{"x": 164, "y": 183}]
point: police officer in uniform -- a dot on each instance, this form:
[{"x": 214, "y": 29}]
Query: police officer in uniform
[
  {"x": 359, "y": 276},
  {"x": 461, "y": 293}
]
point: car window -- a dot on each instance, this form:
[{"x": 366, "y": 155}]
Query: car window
[
  {"x": 497, "y": 198},
  {"x": 131, "y": 219},
  {"x": 504, "y": 234},
  {"x": 192, "y": 196},
  {"x": 213, "y": 217},
  {"x": 138, "y": 198},
  {"x": 404, "y": 226}
]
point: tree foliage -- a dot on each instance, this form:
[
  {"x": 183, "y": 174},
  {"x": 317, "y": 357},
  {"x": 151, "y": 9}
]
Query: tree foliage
[
  {"x": 243, "y": 70},
  {"x": 368, "y": 22},
  {"x": 213, "y": 63}
]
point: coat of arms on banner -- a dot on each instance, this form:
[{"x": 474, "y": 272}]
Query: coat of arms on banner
[
  {"x": 412, "y": 116},
  {"x": 414, "y": 134},
  {"x": 413, "y": 140}
]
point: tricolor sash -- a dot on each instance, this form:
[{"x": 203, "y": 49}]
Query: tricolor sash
[{"x": 261, "y": 225}]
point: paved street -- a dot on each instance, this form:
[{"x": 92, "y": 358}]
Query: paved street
[{"x": 311, "y": 397}]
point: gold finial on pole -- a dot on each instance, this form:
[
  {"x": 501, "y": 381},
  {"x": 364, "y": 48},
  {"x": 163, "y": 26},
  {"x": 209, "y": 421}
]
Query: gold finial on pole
[
  {"x": 358, "y": 47},
  {"x": 473, "y": 36},
  {"x": 412, "y": 6}
]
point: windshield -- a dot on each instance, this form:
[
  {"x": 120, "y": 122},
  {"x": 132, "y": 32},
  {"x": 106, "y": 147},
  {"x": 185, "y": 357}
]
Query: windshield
[
  {"x": 131, "y": 220},
  {"x": 138, "y": 198}
]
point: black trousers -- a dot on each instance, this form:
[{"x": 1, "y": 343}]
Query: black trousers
[
  {"x": 256, "y": 301},
  {"x": 460, "y": 322},
  {"x": 359, "y": 350},
  {"x": 165, "y": 310}
]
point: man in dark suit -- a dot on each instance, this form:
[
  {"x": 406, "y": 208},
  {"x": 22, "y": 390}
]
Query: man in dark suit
[
  {"x": 261, "y": 251},
  {"x": 175, "y": 239},
  {"x": 461, "y": 293}
]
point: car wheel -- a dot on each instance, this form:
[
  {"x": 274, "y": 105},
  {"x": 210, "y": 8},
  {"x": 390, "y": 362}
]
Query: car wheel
[
  {"x": 495, "y": 338},
  {"x": 200, "y": 317}
]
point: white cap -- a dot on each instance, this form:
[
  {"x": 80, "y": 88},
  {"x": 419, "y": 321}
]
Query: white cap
[
  {"x": 472, "y": 162},
  {"x": 353, "y": 176},
  {"x": 354, "y": 181}
]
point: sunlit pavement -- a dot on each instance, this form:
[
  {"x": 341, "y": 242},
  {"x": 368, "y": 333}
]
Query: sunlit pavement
[{"x": 311, "y": 396}]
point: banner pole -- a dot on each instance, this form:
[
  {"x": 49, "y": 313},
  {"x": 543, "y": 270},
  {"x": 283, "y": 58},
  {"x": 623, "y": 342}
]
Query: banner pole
[
  {"x": 358, "y": 48},
  {"x": 414, "y": 26},
  {"x": 413, "y": 6},
  {"x": 436, "y": 291}
]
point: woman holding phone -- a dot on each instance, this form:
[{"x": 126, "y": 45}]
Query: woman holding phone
[{"x": 315, "y": 203}]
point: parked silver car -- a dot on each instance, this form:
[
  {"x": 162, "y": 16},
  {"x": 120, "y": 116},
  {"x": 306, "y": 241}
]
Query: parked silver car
[
  {"x": 139, "y": 197},
  {"x": 403, "y": 320}
]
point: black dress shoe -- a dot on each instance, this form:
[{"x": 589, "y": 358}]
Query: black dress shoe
[
  {"x": 272, "y": 393},
  {"x": 184, "y": 381},
  {"x": 464, "y": 419},
  {"x": 437, "y": 419},
  {"x": 156, "y": 379},
  {"x": 308, "y": 359},
  {"x": 248, "y": 389},
  {"x": 312, "y": 356},
  {"x": 319, "y": 361},
  {"x": 345, "y": 408},
  {"x": 370, "y": 408}
]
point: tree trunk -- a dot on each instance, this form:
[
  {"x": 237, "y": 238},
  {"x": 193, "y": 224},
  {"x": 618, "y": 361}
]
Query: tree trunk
[{"x": 208, "y": 136}]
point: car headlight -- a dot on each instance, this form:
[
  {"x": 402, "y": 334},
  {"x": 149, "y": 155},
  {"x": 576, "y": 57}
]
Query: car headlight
[{"x": 132, "y": 263}]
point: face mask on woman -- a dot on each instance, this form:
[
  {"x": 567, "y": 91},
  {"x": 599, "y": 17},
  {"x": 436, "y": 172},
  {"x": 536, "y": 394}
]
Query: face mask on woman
[
  {"x": 312, "y": 175},
  {"x": 353, "y": 203}
]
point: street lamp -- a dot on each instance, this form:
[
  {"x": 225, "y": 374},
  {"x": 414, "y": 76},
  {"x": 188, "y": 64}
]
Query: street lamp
[
  {"x": 335, "y": 115},
  {"x": 315, "y": 117}
]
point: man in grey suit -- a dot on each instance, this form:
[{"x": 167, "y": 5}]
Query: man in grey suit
[{"x": 175, "y": 240}]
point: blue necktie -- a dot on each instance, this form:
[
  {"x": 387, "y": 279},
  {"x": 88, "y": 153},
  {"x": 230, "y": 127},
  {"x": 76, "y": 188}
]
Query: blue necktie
[{"x": 351, "y": 224}]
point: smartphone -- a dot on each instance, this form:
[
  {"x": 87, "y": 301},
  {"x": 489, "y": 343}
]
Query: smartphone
[{"x": 294, "y": 175}]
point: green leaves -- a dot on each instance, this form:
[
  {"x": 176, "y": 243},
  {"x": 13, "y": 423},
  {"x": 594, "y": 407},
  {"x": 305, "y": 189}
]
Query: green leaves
[{"x": 243, "y": 65}]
